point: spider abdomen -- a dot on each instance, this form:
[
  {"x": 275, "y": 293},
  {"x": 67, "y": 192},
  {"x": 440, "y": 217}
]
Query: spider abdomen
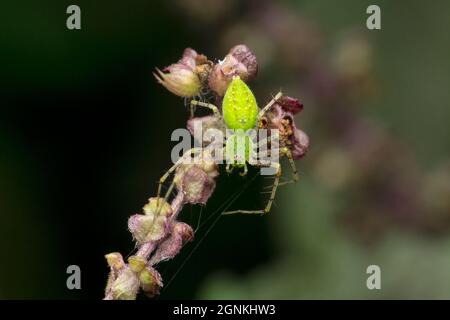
[{"x": 239, "y": 106}]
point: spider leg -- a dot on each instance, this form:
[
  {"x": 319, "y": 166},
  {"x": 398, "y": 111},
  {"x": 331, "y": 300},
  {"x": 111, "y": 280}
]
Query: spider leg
[
  {"x": 272, "y": 194},
  {"x": 169, "y": 191},
  {"x": 168, "y": 173},
  {"x": 192, "y": 110},
  {"x": 263, "y": 111},
  {"x": 274, "y": 187},
  {"x": 205, "y": 105},
  {"x": 244, "y": 173},
  {"x": 165, "y": 176},
  {"x": 172, "y": 169},
  {"x": 295, "y": 176}
]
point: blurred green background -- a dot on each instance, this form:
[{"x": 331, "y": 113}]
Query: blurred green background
[{"x": 85, "y": 134}]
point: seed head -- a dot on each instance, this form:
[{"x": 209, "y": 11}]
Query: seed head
[
  {"x": 126, "y": 286},
  {"x": 196, "y": 184},
  {"x": 115, "y": 261},
  {"x": 240, "y": 61},
  {"x": 169, "y": 248},
  {"x": 281, "y": 117},
  {"x": 185, "y": 77},
  {"x": 153, "y": 225},
  {"x": 151, "y": 281},
  {"x": 136, "y": 263}
]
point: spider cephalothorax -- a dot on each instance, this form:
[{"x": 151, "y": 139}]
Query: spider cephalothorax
[
  {"x": 239, "y": 106},
  {"x": 240, "y": 113}
]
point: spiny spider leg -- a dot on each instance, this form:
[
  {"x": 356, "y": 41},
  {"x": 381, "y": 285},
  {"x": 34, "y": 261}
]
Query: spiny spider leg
[
  {"x": 159, "y": 203},
  {"x": 295, "y": 176},
  {"x": 272, "y": 194},
  {"x": 192, "y": 110},
  {"x": 169, "y": 191},
  {"x": 205, "y": 105},
  {"x": 244, "y": 173},
  {"x": 198, "y": 98},
  {"x": 284, "y": 151},
  {"x": 164, "y": 178},
  {"x": 269, "y": 105},
  {"x": 294, "y": 172}
]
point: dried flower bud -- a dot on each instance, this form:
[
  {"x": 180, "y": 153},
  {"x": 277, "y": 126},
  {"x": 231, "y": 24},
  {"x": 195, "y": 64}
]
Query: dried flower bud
[
  {"x": 203, "y": 68},
  {"x": 208, "y": 163},
  {"x": 184, "y": 231},
  {"x": 126, "y": 286},
  {"x": 139, "y": 226},
  {"x": 169, "y": 248},
  {"x": 198, "y": 126},
  {"x": 189, "y": 58},
  {"x": 151, "y": 281},
  {"x": 281, "y": 117},
  {"x": 185, "y": 77},
  {"x": 240, "y": 61},
  {"x": 247, "y": 59},
  {"x": 290, "y": 105},
  {"x": 179, "y": 80},
  {"x": 300, "y": 143},
  {"x": 159, "y": 206},
  {"x": 116, "y": 264},
  {"x": 137, "y": 264},
  {"x": 195, "y": 183},
  {"x": 153, "y": 225},
  {"x": 115, "y": 261}
]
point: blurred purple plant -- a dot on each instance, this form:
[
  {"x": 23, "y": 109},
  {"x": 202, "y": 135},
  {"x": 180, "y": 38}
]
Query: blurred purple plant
[{"x": 337, "y": 81}]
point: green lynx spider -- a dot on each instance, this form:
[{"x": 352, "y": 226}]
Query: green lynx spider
[{"x": 240, "y": 111}]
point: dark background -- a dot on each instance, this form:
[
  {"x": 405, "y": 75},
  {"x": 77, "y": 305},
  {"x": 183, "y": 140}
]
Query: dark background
[{"x": 85, "y": 135}]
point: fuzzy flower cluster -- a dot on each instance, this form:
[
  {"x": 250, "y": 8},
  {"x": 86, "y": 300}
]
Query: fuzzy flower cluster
[
  {"x": 281, "y": 117},
  {"x": 159, "y": 236},
  {"x": 194, "y": 72}
]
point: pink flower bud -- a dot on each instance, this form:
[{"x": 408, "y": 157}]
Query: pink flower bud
[
  {"x": 136, "y": 263},
  {"x": 300, "y": 143},
  {"x": 198, "y": 126},
  {"x": 157, "y": 206},
  {"x": 196, "y": 184},
  {"x": 179, "y": 80},
  {"x": 184, "y": 78},
  {"x": 116, "y": 264},
  {"x": 240, "y": 61},
  {"x": 153, "y": 225},
  {"x": 209, "y": 164},
  {"x": 126, "y": 286},
  {"x": 151, "y": 281},
  {"x": 169, "y": 248},
  {"x": 247, "y": 59},
  {"x": 281, "y": 117},
  {"x": 290, "y": 105},
  {"x": 115, "y": 261}
]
